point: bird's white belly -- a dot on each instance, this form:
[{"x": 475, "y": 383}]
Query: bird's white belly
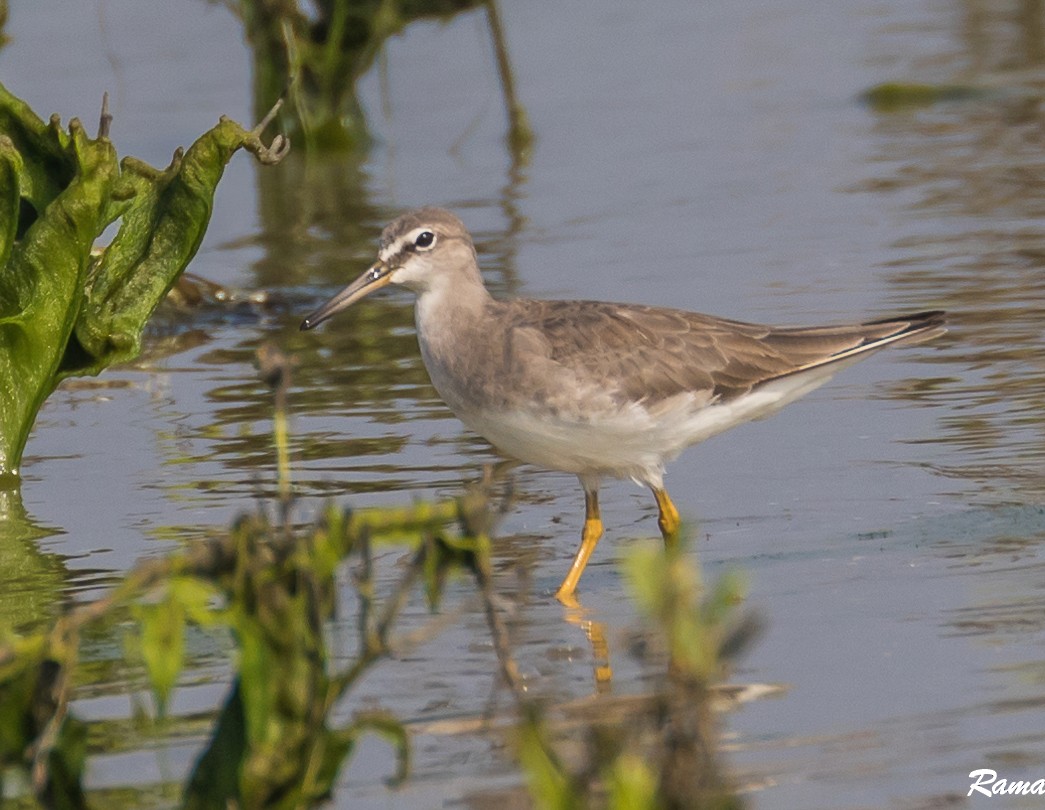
[{"x": 632, "y": 441}]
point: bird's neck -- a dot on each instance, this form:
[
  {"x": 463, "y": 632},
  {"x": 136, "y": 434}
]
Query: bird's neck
[
  {"x": 457, "y": 330},
  {"x": 451, "y": 308}
]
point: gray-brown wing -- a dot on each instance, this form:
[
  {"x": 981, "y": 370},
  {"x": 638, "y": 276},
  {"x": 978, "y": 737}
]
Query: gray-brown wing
[{"x": 652, "y": 353}]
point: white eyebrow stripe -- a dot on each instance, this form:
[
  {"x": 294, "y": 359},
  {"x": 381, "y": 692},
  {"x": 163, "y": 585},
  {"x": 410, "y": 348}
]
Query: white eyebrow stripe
[{"x": 398, "y": 246}]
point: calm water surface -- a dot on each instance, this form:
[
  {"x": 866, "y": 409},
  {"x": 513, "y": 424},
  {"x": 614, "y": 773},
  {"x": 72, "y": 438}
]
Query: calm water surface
[{"x": 714, "y": 157}]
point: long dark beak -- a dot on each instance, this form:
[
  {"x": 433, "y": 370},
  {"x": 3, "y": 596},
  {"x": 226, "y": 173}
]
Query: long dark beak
[{"x": 378, "y": 276}]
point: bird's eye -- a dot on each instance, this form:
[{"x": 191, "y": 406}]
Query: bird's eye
[{"x": 424, "y": 240}]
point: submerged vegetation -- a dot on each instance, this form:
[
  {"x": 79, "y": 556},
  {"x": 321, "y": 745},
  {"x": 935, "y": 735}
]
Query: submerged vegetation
[{"x": 895, "y": 96}]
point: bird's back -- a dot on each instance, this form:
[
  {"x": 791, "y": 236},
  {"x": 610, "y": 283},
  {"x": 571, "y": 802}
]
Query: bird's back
[{"x": 651, "y": 354}]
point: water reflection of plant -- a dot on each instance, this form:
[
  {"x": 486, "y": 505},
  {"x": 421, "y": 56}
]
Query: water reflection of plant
[{"x": 30, "y": 578}]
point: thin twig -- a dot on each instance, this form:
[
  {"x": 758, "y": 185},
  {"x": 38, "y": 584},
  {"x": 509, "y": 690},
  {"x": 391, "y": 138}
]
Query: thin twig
[
  {"x": 498, "y": 631},
  {"x": 520, "y": 136},
  {"x": 105, "y": 120},
  {"x": 280, "y": 146},
  {"x": 270, "y": 116}
]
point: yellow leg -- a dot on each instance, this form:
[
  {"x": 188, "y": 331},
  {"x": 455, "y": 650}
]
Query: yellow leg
[
  {"x": 668, "y": 519},
  {"x": 589, "y": 539}
]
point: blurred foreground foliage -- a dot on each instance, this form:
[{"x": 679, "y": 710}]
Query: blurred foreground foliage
[
  {"x": 660, "y": 751},
  {"x": 271, "y": 586},
  {"x": 67, "y": 307}
]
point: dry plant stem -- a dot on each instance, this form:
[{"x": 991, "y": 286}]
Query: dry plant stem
[
  {"x": 406, "y": 642},
  {"x": 294, "y": 65},
  {"x": 270, "y": 116},
  {"x": 277, "y": 150},
  {"x": 365, "y": 590},
  {"x": 509, "y": 670},
  {"x": 105, "y": 121},
  {"x": 520, "y": 134},
  {"x": 374, "y": 637},
  {"x": 398, "y": 599},
  {"x": 279, "y": 428},
  {"x": 276, "y": 367}
]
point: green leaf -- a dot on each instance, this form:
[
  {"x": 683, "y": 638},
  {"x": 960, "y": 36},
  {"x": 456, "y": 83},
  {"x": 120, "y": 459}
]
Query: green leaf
[
  {"x": 549, "y": 784},
  {"x": 631, "y": 784},
  {"x": 197, "y": 597},
  {"x": 214, "y": 784},
  {"x": 41, "y": 287},
  {"x": 48, "y": 168},
  {"x": 163, "y": 646},
  {"x": 63, "y": 309},
  {"x": 256, "y": 664},
  {"x": 19, "y": 668},
  {"x": 668, "y": 590},
  {"x": 10, "y": 196},
  {"x": 161, "y": 230}
]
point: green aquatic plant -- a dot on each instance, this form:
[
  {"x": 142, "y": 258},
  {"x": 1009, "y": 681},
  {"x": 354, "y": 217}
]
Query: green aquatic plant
[
  {"x": 270, "y": 586},
  {"x": 314, "y": 54},
  {"x": 895, "y": 96},
  {"x": 67, "y": 305}
]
